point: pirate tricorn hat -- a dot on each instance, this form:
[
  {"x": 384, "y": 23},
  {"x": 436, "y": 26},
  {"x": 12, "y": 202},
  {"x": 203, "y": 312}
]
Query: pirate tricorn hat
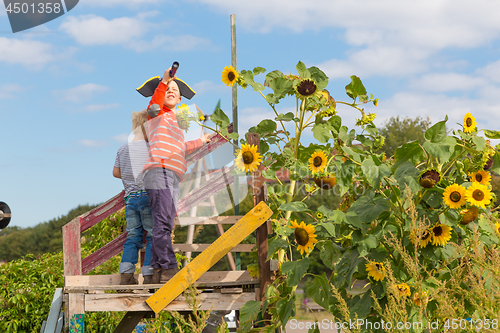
[{"x": 148, "y": 88}]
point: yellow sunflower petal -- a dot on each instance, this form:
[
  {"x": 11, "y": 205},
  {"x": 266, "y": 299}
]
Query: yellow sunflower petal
[
  {"x": 376, "y": 270},
  {"x": 481, "y": 177},
  {"x": 441, "y": 234},
  {"x": 317, "y": 162},
  {"x": 469, "y": 123},
  {"x": 454, "y": 196},
  {"x": 478, "y": 195},
  {"x": 229, "y": 76},
  {"x": 247, "y": 159}
]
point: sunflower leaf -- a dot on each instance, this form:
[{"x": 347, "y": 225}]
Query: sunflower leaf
[
  {"x": 248, "y": 314},
  {"x": 355, "y": 88},
  {"x": 295, "y": 206},
  {"x": 285, "y": 117},
  {"x": 321, "y": 133},
  {"x": 491, "y": 134},
  {"x": 320, "y": 291},
  {"x": 407, "y": 152},
  {"x": 302, "y": 70},
  {"x": 296, "y": 270},
  {"x": 437, "y": 132},
  {"x": 258, "y": 70},
  {"x": 329, "y": 253},
  {"x": 276, "y": 244}
]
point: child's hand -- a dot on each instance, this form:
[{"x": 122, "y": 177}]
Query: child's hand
[
  {"x": 206, "y": 138},
  {"x": 166, "y": 76}
]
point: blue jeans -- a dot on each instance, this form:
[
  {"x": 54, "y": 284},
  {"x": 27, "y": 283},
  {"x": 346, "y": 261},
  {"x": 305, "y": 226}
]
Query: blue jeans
[{"x": 139, "y": 218}]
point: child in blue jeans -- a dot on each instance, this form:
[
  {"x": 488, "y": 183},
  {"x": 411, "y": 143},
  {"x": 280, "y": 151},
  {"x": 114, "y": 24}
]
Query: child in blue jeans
[{"x": 129, "y": 163}]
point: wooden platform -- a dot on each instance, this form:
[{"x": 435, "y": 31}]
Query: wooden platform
[{"x": 225, "y": 290}]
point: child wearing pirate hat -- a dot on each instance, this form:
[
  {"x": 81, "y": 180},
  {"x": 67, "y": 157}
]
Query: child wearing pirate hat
[{"x": 166, "y": 166}]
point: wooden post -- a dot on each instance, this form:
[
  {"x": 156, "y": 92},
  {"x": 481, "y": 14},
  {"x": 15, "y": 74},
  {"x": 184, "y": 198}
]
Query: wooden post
[
  {"x": 235, "y": 112},
  {"x": 262, "y": 232},
  {"x": 76, "y": 309},
  {"x": 71, "y": 248}
]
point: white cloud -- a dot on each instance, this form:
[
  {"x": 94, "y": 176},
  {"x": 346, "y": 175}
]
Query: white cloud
[
  {"x": 171, "y": 43},
  {"x": 81, "y": 93},
  {"x": 101, "y": 107},
  {"x": 31, "y": 53},
  {"x": 443, "y": 82},
  {"x": 208, "y": 86},
  {"x": 96, "y": 30},
  {"x": 122, "y": 138},
  {"x": 92, "y": 143},
  {"x": 491, "y": 71},
  {"x": 8, "y": 91}
]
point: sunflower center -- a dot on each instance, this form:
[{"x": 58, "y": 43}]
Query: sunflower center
[
  {"x": 379, "y": 266},
  {"x": 426, "y": 235},
  {"x": 479, "y": 177},
  {"x": 455, "y": 196},
  {"x": 231, "y": 76},
  {"x": 317, "y": 161},
  {"x": 306, "y": 87},
  {"x": 247, "y": 157},
  {"x": 438, "y": 231},
  {"x": 301, "y": 236},
  {"x": 478, "y": 195},
  {"x": 468, "y": 122}
]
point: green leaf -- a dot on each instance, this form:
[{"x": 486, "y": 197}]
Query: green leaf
[
  {"x": 406, "y": 152},
  {"x": 258, "y": 86},
  {"x": 219, "y": 117},
  {"x": 286, "y": 309},
  {"x": 265, "y": 127},
  {"x": 295, "y": 270},
  {"x": 363, "y": 306},
  {"x": 437, "y": 132},
  {"x": 371, "y": 241},
  {"x": 294, "y": 206},
  {"x": 374, "y": 174},
  {"x": 319, "y": 77},
  {"x": 329, "y": 227},
  {"x": 369, "y": 206},
  {"x": 355, "y": 88},
  {"x": 491, "y": 134},
  {"x": 258, "y": 70},
  {"x": 329, "y": 253},
  {"x": 479, "y": 141},
  {"x": 321, "y": 132},
  {"x": 285, "y": 117},
  {"x": 441, "y": 150},
  {"x": 278, "y": 243},
  {"x": 302, "y": 70},
  {"x": 406, "y": 176},
  {"x": 248, "y": 314},
  {"x": 496, "y": 163},
  {"x": 320, "y": 291}
]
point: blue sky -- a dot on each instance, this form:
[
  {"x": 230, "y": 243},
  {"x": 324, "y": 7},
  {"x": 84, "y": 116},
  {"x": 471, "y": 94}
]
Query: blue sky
[{"x": 67, "y": 88}]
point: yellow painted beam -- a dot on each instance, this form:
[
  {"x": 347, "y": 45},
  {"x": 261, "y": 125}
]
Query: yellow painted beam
[{"x": 205, "y": 260}]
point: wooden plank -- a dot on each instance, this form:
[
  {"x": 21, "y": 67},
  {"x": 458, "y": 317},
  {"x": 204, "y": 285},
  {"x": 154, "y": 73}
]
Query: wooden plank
[
  {"x": 99, "y": 213},
  {"x": 76, "y": 309},
  {"x": 72, "y": 254},
  {"x": 54, "y": 311},
  {"x": 201, "y": 220},
  {"x": 215, "y": 142},
  {"x": 137, "y": 302},
  {"x": 202, "y": 263},
  {"x": 200, "y": 194},
  {"x": 129, "y": 322},
  {"x": 203, "y": 247},
  {"x": 105, "y": 253},
  {"x": 60, "y": 322},
  {"x": 108, "y": 282}
]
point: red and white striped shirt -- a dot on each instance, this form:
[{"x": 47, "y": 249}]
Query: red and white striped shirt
[{"x": 167, "y": 148}]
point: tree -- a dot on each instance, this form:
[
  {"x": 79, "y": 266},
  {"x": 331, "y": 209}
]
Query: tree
[{"x": 400, "y": 131}]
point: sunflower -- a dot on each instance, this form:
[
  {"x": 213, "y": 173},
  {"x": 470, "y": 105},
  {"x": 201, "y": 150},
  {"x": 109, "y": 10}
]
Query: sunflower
[
  {"x": 317, "y": 162},
  {"x": 319, "y": 215},
  {"x": 441, "y": 234},
  {"x": 481, "y": 177},
  {"x": 376, "y": 270},
  {"x": 304, "y": 236},
  {"x": 421, "y": 298},
  {"x": 229, "y": 75},
  {"x": 497, "y": 227},
  {"x": 306, "y": 87},
  {"x": 425, "y": 238},
  {"x": 469, "y": 123},
  {"x": 429, "y": 178},
  {"x": 454, "y": 196},
  {"x": 469, "y": 215},
  {"x": 478, "y": 195},
  {"x": 326, "y": 183},
  {"x": 248, "y": 159},
  {"x": 403, "y": 290}
]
